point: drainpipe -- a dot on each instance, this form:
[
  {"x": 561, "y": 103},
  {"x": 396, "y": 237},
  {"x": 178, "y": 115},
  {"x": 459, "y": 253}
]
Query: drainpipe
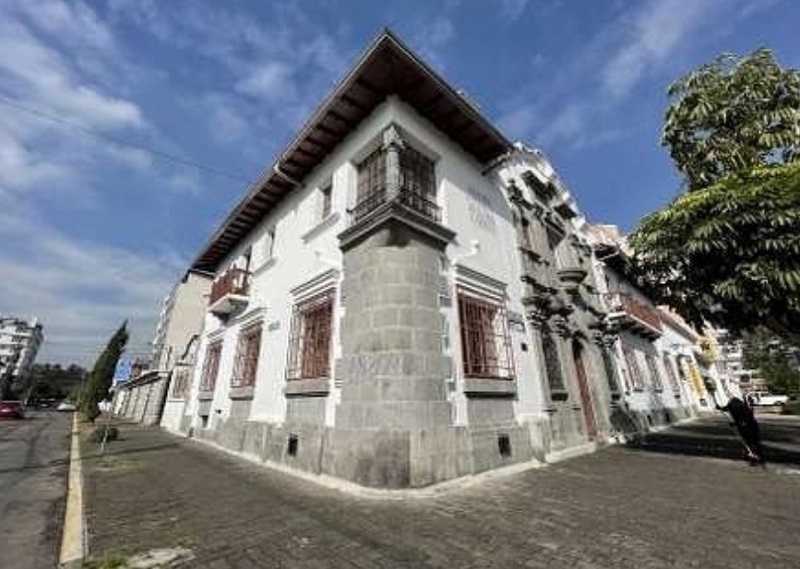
[{"x": 277, "y": 169}]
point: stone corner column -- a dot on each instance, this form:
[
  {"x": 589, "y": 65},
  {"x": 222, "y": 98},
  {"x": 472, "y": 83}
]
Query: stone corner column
[{"x": 392, "y": 369}]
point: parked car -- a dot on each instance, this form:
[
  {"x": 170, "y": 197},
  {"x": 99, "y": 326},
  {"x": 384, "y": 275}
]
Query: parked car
[
  {"x": 765, "y": 398},
  {"x": 12, "y": 410},
  {"x": 65, "y": 406}
]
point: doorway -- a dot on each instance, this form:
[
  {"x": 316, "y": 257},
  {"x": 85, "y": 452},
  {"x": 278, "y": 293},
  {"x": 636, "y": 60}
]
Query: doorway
[{"x": 583, "y": 387}]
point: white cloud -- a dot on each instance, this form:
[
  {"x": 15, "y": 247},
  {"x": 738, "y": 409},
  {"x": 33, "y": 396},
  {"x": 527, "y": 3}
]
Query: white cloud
[
  {"x": 431, "y": 37},
  {"x": 227, "y": 125},
  {"x": 755, "y": 6},
  {"x": 643, "y": 40},
  {"x": 270, "y": 81},
  {"x": 80, "y": 290},
  {"x": 519, "y": 121},
  {"x": 185, "y": 182},
  {"x": 650, "y": 37},
  {"x": 279, "y": 66},
  {"x": 513, "y": 9},
  {"x": 73, "y": 23},
  {"x": 37, "y": 74},
  {"x": 21, "y": 168},
  {"x": 569, "y": 123}
]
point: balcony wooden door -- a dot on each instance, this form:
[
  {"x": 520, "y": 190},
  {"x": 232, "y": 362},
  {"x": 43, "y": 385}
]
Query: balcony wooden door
[{"x": 583, "y": 387}]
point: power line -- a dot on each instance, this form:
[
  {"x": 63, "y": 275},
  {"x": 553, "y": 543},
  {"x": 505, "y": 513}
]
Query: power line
[{"x": 42, "y": 115}]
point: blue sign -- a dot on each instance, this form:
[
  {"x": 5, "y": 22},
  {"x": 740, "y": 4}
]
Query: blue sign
[{"x": 122, "y": 373}]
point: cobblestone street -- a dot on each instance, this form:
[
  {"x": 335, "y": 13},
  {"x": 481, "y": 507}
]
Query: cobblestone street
[{"x": 672, "y": 502}]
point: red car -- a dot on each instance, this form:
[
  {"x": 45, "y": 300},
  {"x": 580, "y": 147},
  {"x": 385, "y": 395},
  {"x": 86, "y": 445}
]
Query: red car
[{"x": 12, "y": 410}]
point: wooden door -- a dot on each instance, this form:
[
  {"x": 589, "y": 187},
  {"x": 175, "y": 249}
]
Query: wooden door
[{"x": 583, "y": 387}]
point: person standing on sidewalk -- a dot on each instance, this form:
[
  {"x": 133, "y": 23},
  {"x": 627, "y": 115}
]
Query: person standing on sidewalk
[{"x": 745, "y": 422}]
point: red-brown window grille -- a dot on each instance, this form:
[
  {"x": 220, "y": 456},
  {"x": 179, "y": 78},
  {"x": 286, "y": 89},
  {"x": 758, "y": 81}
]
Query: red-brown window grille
[
  {"x": 633, "y": 368},
  {"x": 246, "y": 362},
  {"x": 655, "y": 374},
  {"x": 180, "y": 383},
  {"x": 310, "y": 338},
  {"x": 372, "y": 176},
  {"x": 211, "y": 366},
  {"x": 485, "y": 342},
  {"x": 418, "y": 182},
  {"x": 673, "y": 379}
]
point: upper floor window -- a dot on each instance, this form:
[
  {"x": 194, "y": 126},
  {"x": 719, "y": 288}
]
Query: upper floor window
[
  {"x": 310, "y": 338},
  {"x": 269, "y": 244},
  {"x": 326, "y": 201},
  {"x": 417, "y": 179},
  {"x": 417, "y": 173},
  {"x": 655, "y": 374},
  {"x": 246, "y": 362},
  {"x": 372, "y": 178},
  {"x": 211, "y": 366},
  {"x": 485, "y": 343},
  {"x": 633, "y": 368},
  {"x": 180, "y": 383},
  {"x": 673, "y": 379}
]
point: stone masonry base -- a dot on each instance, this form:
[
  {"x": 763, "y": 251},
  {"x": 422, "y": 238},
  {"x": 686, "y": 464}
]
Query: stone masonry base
[{"x": 389, "y": 459}]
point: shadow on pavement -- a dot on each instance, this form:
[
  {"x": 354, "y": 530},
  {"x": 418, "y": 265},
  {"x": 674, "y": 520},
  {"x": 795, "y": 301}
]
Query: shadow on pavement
[{"x": 717, "y": 439}]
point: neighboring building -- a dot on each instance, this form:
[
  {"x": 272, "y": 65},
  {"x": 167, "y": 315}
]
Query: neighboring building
[
  {"x": 733, "y": 366},
  {"x": 174, "y": 417},
  {"x": 404, "y": 298},
  {"x": 20, "y": 340},
  {"x": 181, "y": 318},
  {"x": 145, "y": 396},
  {"x": 652, "y": 395},
  {"x": 681, "y": 345}
]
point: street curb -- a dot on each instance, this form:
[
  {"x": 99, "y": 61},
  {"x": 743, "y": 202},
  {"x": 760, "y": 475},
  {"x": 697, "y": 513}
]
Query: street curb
[{"x": 73, "y": 536}]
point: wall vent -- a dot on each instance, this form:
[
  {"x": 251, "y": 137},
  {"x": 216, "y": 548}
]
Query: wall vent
[
  {"x": 504, "y": 445},
  {"x": 292, "y": 445}
]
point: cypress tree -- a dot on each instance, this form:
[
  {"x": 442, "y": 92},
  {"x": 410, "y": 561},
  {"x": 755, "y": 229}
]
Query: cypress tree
[{"x": 102, "y": 374}]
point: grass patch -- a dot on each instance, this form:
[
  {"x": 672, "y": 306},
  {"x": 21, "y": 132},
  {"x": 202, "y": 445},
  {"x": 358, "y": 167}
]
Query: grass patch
[{"x": 116, "y": 464}]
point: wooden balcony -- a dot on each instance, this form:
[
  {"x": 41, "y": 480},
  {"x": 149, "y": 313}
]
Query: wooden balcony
[
  {"x": 229, "y": 292},
  {"x": 630, "y": 314}
]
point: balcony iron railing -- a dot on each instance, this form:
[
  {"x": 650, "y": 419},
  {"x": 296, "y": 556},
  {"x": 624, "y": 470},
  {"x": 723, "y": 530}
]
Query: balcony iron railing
[
  {"x": 419, "y": 203},
  {"x": 639, "y": 313},
  {"x": 367, "y": 205},
  {"x": 234, "y": 281}
]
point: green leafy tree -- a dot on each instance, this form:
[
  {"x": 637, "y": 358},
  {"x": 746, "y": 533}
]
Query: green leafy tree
[
  {"x": 52, "y": 381},
  {"x": 770, "y": 356},
  {"x": 100, "y": 378},
  {"x": 728, "y": 249},
  {"x": 731, "y": 115}
]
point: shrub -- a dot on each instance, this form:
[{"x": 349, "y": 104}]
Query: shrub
[{"x": 97, "y": 435}]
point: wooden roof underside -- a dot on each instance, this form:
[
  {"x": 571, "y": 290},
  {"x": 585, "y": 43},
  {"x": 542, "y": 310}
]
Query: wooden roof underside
[{"x": 388, "y": 67}]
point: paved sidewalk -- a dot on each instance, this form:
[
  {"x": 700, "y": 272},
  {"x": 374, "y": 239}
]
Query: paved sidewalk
[{"x": 617, "y": 508}]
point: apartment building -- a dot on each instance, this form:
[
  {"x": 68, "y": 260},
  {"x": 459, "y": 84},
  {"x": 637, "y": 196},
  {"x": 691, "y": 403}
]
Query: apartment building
[
  {"x": 405, "y": 297},
  {"x": 146, "y": 396},
  {"x": 20, "y": 340}
]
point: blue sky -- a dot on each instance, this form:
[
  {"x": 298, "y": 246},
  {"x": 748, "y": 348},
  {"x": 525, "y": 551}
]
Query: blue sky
[{"x": 94, "y": 231}]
